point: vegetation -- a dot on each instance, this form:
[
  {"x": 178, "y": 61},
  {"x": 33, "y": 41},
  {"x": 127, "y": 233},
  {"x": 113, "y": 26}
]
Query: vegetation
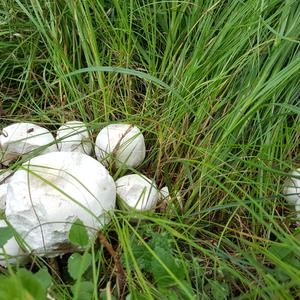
[{"x": 214, "y": 85}]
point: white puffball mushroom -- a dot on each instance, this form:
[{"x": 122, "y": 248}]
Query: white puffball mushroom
[
  {"x": 122, "y": 142},
  {"x": 19, "y": 139},
  {"x": 137, "y": 191},
  {"x": 74, "y": 136},
  {"x": 51, "y": 191},
  {"x": 11, "y": 253},
  {"x": 291, "y": 189}
]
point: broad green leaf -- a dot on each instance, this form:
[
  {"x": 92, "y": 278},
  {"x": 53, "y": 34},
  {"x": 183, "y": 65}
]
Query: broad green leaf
[
  {"x": 83, "y": 290},
  {"x": 78, "y": 234},
  {"x": 141, "y": 255},
  {"x": 103, "y": 296},
  {"x": 11, "y": 288},
  {"x": 78, "y": 264},
  {"x": 35, "y": 289},
  {"x": 161, "y": 275},
  {"x": 5, "y": 234},
  {"x": 43, "y": 277}
]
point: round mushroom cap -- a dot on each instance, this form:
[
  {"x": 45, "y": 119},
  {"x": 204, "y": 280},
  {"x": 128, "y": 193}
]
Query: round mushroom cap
[
  {"x": 121, "y": 142},
  {"x": 11, "y": 253},
  {"x": 51, "y": 192},
  {"x": 74, "y": 137},
  {"x": 19, "y": 139},
  {"x": 292, "y": 188},
  {"x": 137, "y": 191}
]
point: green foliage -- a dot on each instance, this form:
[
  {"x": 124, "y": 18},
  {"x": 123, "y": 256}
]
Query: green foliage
[
  {"x": 83, "y": 289},
  {"x": 5, "y": 234},
  {"x": 78, "y": 264},
  {"x": 43, "y": 276},
  {"x": 216, "y": 290},
  {"x": 161, "y": 264},
  {"x": 78, "y": 234},
  {"x": 286, "y": 255},
  {"x": 162, "y": 247},
  {"x": 103, "y": 296},
  {"x": 24, "y": 285}
]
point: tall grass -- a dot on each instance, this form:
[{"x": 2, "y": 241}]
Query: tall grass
[{"x": 214, "y": 85}]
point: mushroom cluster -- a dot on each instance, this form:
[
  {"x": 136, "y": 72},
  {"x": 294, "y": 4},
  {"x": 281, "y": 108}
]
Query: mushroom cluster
[{"x": 59, "y": 181}]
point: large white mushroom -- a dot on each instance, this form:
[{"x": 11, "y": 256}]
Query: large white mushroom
[
  {"x": 74, "y": 136},
  {"x": 51, "y": 191},
  {"x": 11, "y": 253},
  {"x": 19, "y": 139},
  {"x": 137, "y": 191},
  {"x": 122, "y": 143}
]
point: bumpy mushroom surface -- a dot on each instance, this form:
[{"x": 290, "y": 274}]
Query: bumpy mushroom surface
[
  {"x": 19, "y": 139},
  {"x": 51, "y": 192},
  {"x": 12, "y": 250},
  {"x": 74, "y": 136},
  {"x": 137, "y": 191},
  {"x": 122, "y": 142}
]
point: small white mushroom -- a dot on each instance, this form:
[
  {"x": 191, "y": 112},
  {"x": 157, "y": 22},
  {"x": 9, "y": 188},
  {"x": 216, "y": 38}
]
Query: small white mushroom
[
  {"x": 51, "y": 192},
  {"x": 164, "y": 194},
  {"x": 291, "y": 189},
  {"x": 11, "y": 253},
  {"x": 122, "y": 142},
  {"x": 74, "y": 136},
  {"x": 137, "y": 191},
  {"x": 19, "y": 139}
]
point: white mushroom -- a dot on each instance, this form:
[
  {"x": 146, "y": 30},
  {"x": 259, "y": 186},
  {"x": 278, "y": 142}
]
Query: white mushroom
[
  {"x": 164, "y": 194},
  {"x": 11, "y": 253},
  {"x": 51, "y": 192},
  {"x": 137, "y": 191},
  {"x": 292, "y": 189},
  {"x": 22, "y": 138},
  {"x": 74, "y": 136},
  {"x": 125, "y": 143}
]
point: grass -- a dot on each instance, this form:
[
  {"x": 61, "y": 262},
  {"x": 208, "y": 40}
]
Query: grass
[{"x": 214, "y": 85}]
